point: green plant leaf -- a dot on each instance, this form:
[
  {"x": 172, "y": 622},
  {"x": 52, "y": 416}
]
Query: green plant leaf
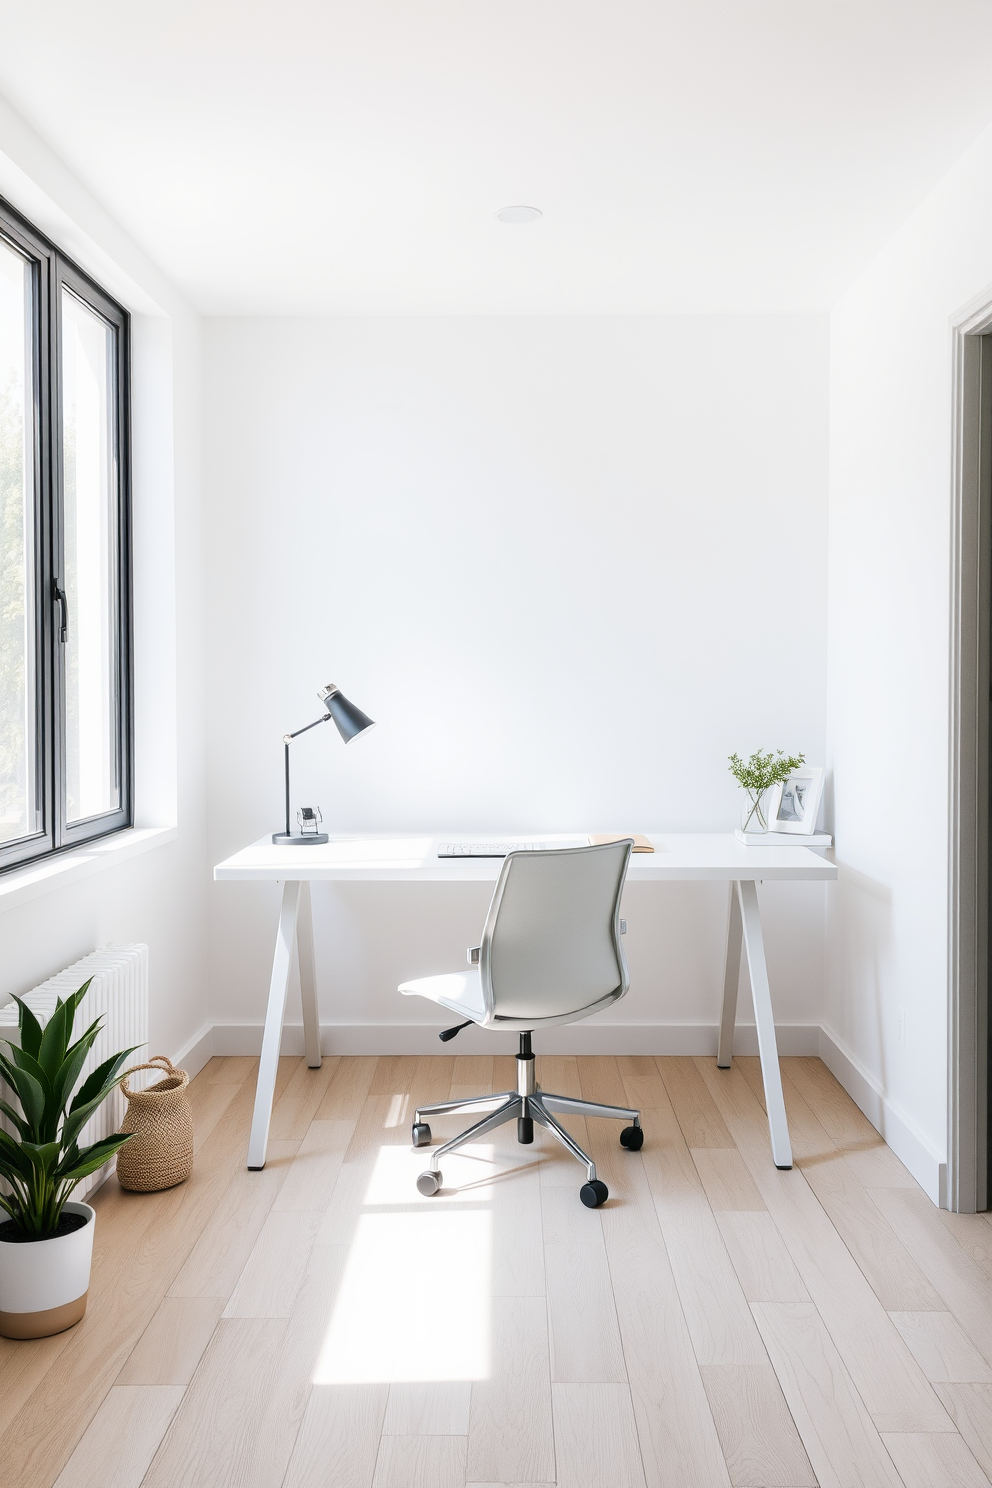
[
  {"x": 43, "y": 1156},
  {"x": 30, "y": 1094},
  {"x": 71, "y": 1067},
  {"x": 78, "y": 1118},
  {"x": 5, "y": 1203},
  {"x": 58, "y": 1032},
  {"x": 22, "y": 1060},
  {"x": 23, "y": 1130},
  {"x": 13, "y": 1163},
  {"x": 103, "y": 1076},
  {"x": 93, "y": 1157},
  {"x": 30, "y": 1028}
]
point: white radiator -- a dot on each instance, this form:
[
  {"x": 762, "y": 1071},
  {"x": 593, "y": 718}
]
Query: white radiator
[{"x": 118, "y": 994}]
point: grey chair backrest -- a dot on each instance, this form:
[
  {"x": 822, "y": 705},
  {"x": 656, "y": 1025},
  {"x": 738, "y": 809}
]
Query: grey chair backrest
[{"x": 551, "y": 945}]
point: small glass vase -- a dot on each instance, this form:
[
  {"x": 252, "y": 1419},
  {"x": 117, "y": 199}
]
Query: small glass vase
[{"x": 753, "y": 817}]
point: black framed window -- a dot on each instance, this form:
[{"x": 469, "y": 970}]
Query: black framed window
[{"x": 65, "y": 564}]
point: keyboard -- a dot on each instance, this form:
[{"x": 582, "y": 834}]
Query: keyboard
[{"x": 485, "y": 849}]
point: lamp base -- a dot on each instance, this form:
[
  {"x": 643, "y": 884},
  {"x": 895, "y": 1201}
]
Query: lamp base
[{"x": 299, "y": 839}]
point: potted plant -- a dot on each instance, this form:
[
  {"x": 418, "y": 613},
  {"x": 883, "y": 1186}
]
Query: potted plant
[
  {"x": 757, "y": 775},
  {"x": 46, "y": 1244}
]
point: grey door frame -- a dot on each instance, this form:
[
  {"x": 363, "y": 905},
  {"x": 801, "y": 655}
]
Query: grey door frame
[{"x": 970, "y": 761}]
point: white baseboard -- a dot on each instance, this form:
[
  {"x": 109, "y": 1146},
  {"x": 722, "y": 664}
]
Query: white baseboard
[
  {"x": 564, "y": 1038},
  {"x": 906, "y": 1140},
  {"x": 197, "y": 1050}
]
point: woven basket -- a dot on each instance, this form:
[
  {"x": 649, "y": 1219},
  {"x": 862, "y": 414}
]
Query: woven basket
[{"x": 160, "y": 1154}]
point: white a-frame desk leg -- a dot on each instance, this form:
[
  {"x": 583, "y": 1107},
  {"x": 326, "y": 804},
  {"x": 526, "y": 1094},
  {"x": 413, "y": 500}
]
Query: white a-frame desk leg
[
  {"x": 745, "y": 922},
  {"x": 294, "y": 932}
]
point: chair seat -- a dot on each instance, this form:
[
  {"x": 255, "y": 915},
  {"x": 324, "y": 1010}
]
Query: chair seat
[{"x": 460, "y": 991}]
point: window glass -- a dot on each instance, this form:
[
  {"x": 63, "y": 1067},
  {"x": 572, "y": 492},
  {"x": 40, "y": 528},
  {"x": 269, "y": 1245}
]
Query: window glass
[
  {"x": 19, "y": 814},
  {"x": 91, "y": 543}
]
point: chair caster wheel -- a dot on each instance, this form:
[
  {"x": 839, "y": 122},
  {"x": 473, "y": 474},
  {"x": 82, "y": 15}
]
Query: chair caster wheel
[
  {"x": 420, "y": 1134},
  {"x": 429, "y": 1183},
  {"x": 593, "y": 1194},
  {"x": 632, "y": 1137}
]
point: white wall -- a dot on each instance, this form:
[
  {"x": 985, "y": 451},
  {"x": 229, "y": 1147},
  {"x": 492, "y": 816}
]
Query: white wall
[
  {"x": 568, "y": 564},
  {"x": 890, "y": 455},
  {"x": 159, "y": 896}
]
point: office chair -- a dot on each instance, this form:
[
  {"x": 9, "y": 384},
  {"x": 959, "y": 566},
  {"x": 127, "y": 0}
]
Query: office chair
[{"x": 550, "y": 953}]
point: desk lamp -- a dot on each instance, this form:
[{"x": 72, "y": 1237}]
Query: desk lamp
[{"x": 350, "y": 722}]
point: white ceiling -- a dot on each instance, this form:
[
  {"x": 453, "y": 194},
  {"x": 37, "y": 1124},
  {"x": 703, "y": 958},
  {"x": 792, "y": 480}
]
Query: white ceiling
[{"x": 348, "y": 155}]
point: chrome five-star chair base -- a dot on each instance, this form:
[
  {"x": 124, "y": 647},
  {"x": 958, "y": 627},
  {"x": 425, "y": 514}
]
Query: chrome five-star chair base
[{"x": 528, "y": 1103}]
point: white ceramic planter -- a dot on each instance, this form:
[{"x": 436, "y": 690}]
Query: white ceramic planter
[{"x": 44, "y": 1283}]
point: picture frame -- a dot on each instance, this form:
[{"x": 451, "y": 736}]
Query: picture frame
[{"x": 794, "y": 803}]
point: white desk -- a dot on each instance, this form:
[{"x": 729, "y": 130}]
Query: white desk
[{"x": 383, "y": 859}]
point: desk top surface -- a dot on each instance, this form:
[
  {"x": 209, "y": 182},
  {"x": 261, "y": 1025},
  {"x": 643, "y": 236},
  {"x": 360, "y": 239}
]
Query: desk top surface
[{"x": 396, "y": 859}]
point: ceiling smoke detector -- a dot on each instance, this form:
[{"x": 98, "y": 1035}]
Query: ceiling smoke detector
[{"x": 516, "y": 215}]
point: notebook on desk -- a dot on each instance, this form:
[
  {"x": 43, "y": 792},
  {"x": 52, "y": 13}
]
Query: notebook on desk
[{"x": 641, "y": 843}]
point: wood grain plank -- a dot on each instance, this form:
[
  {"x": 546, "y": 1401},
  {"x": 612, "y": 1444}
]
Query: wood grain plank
[
  {"x": 432, "y": 1409},
  {"x": 348, "y": 1087},
  {"x": 596, "y": 1437},
  {"x": 387, "y": 1110},
  {"x": 298, "y": 1104},
  {"x": 970, "y": 1407},
  {"x": 214, "y": 1434},
  {"x": 698, "y": 1115},
  {"x": 316, "y": 1164},
  {"x": 474, "y": 1071},
  {"x": 274, "y": 1271},
  {"x": 338, "y": 1439},
  {"x": 511, "y": 1438},
  {"x": 938, "y": 1461},
  {"x": 225, "y": 1242},
  {"x": 208, "y": 1104},
  {"x": 557, "y": 1073},
  {"x": 585, "y": 1336},
  {"x": 420, "y": 1462},
  {"x": 758, "y": 1254},
  {"x": 838, "y": 1434},
  {"x": 172, "y": 1345},
  {"x": 122, "y": 1438},
  {"x": 228, "y": 1069},
  {"x": 24, "y": 1366},
  {"x": 642, "y": 1082},
  {"x": 758, "y": 1435},
  {"x": 941, "y": 1348},
  {"x": 725, "y": 1179},
  {"x": 960, "y": 1281},
  {"x": 973, "y": 1233}
]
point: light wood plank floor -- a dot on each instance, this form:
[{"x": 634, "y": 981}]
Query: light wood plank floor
[{"x": 718, "y": 1323}]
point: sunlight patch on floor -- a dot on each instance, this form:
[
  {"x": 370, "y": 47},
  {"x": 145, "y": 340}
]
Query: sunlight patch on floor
[{"x": 415, "y": 1300}]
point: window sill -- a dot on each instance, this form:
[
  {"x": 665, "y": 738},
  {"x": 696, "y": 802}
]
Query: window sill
[{"x": 30, "y": 882}]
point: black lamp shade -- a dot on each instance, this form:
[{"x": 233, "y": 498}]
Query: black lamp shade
[{"x": 349, "y": 720}]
